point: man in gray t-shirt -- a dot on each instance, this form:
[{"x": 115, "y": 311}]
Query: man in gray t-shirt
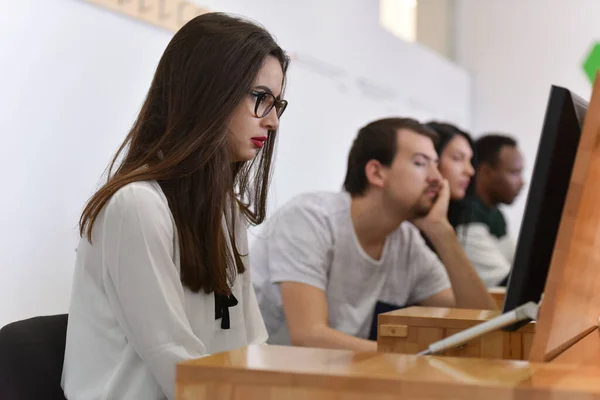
[{"x": 326, "y": 259}]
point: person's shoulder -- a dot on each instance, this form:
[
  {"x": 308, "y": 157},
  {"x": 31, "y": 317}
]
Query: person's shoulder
[
  {"x": 138, "y": 197},
  {"x": 409, "y": 240},
  {"x": 409, "y": 232},
  {"x": 319, "y": 203},
  {"x": 481, "y": 216}
]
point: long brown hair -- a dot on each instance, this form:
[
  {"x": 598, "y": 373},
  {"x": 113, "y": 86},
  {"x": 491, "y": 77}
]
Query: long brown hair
[{"x": 180, "y": 139}]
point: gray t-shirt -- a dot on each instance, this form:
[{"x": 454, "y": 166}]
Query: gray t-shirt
[{"x": 312, "y": 240}]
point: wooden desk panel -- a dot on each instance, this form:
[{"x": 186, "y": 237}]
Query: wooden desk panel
[
  {"x": 293, "y": 373},
  {"x": 411, "y": 330},
  {"x": 571, "y": 304},
  {"x": 584, "y": 352}
]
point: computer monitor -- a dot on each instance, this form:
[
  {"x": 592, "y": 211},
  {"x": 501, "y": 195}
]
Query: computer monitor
[{"x": 557, "y": 149}]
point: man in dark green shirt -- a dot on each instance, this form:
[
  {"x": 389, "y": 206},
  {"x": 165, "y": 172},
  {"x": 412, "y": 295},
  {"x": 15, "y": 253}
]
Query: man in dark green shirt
[{"x": 499, "y": 180}]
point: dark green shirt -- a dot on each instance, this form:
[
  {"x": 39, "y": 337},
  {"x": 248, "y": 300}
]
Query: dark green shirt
[{"x": 491, "y": 217}]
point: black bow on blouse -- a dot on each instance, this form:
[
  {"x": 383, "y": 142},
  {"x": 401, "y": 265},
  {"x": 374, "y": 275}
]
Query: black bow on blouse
[{"x": 222, "y": 304}]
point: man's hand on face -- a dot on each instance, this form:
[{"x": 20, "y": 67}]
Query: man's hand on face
[{"x": 437, "y": 218}]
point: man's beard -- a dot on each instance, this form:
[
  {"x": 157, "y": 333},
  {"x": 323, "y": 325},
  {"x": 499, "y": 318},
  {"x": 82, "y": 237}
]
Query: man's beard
[
  {"x": 424, "y": 206},
  {"x": 421, "y": 210}
]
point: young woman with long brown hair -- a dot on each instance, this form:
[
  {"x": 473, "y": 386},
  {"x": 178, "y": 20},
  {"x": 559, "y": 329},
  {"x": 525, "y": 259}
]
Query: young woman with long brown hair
[{"x": 161, "y": 272}]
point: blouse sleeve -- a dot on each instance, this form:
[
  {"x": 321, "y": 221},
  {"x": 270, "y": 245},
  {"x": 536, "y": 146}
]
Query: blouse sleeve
[{"x": 143, "y": 283}]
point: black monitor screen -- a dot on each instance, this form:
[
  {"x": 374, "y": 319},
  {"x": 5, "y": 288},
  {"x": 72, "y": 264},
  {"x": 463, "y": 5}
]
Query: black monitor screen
[{"x": 556, "y": 153}]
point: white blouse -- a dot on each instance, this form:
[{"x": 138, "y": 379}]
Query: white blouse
[{"x": 131, "y": 320}]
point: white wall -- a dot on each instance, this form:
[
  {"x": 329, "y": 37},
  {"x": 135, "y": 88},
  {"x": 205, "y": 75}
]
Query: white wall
[
  {"x": 73, "y": 77},
  {"x": 515, "y": 50}
]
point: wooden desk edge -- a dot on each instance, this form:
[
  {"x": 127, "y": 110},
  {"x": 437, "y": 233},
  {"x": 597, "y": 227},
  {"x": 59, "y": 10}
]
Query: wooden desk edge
[
  {"x": 452, "y": 317},
  {"x": 392, "y": 373}
]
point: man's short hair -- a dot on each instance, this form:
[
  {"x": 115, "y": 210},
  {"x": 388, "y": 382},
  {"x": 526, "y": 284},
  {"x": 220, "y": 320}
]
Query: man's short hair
[
  {"x": 378, "y": 141},
  {"x": 487, "y": 148}
]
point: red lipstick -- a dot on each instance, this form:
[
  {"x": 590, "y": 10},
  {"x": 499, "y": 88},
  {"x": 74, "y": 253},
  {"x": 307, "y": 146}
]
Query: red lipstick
[{"x": 258, "y": 141}]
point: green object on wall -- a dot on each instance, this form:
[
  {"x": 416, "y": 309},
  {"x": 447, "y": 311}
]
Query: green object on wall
[{"x": 592, "y": 62}]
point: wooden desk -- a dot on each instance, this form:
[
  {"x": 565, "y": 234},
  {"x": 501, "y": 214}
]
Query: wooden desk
[
  {"x": 413, "y": 329},
  {"x": 293, "y": 373}
]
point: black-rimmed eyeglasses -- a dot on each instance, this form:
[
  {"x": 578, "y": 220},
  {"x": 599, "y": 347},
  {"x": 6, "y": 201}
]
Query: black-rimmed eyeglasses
[{"x": 265, "y": 102}]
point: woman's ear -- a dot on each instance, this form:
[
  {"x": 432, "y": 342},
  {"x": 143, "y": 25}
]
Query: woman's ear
[{"x": 375, "y": 173}]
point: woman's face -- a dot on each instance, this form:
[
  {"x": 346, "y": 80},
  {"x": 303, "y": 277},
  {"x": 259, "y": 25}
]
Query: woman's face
[
  {"x": 248, "y": 132},
  {"x": 456, "y": 167}
]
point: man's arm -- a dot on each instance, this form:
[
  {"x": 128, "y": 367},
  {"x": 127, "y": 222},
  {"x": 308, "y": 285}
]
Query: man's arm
[
  {"x": 468, "y": 291},
  {"x": 306, "y": 315}
]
